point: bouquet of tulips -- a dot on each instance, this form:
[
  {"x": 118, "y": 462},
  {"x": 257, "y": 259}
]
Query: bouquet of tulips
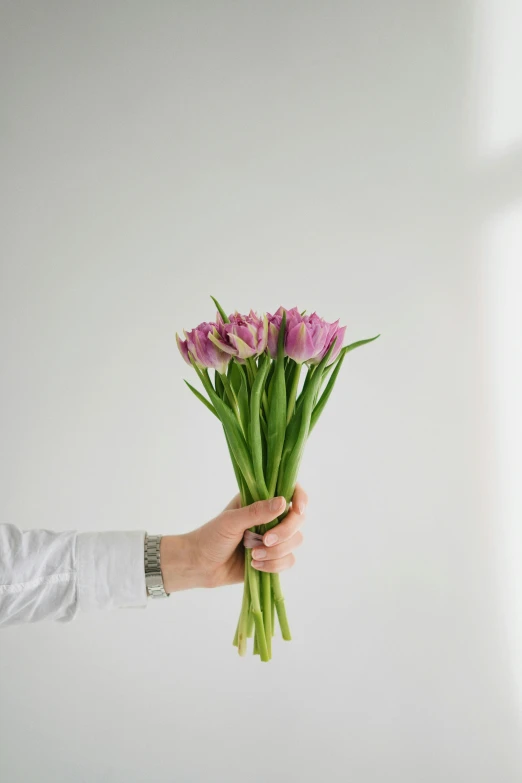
[{"x": 267, "y": 415}]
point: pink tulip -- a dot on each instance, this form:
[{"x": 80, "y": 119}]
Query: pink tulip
[
  {"x": 205, "y": 352},
  {"x": 306, "y": 337},
  {"x": 244, "y": 337},
  {"x": 334, "y": 330}
]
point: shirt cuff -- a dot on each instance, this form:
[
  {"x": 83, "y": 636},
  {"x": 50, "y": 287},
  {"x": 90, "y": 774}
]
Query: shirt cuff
[{"x": 111, "y": 570}]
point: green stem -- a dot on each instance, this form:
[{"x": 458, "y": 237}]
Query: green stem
[
  {"x": 273, "y": 608},
  {"x": 245, "y": 609},
  {"x": 293, "y": 393},
  {"x": 267, "y": 609},
  {"x": 280, "y": 607},
  {"x": 250, "y": 625},
  {"x": 256, "y": 609}
]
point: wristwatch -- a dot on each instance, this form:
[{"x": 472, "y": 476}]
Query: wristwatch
[{"x": 153, "y": 576}]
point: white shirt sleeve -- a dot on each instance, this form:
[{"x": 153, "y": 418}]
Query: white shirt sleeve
[{"x": 45, "y": 575}]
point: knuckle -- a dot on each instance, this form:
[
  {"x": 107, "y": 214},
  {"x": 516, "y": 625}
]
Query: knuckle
[
  {"x": 275, "y": 552},
  {"x": 254, "y": 510}
]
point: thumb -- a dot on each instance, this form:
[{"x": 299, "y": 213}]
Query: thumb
[{"x": 236, "y": 521}]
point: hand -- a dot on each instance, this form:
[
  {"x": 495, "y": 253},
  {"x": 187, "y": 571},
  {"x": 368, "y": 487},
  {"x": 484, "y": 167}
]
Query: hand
[{"x": 213, "y": 555}]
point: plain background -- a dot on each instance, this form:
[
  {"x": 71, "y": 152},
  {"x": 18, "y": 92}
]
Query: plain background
[{"x": 360, "y": 159}]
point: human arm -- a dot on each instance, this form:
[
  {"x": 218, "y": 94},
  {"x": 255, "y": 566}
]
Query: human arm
[{"x": 48, "y": 575}]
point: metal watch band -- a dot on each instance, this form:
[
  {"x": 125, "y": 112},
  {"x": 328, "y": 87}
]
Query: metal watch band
[{"x": 153, "y": 576}]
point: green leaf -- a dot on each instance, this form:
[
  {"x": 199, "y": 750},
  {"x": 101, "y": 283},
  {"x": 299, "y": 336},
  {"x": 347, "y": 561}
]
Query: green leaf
[
  {"x": 230, "y": 397},
  {"x": 292, "y": 432},
  {"x": 239, "y": 476},
  {"x": 236, "y": 440},
  {"x": 277, "y": 413},
  {"x": 289, "y": 374},
  {"x": 264, "y": 428},
  {"x": 291, "y": 390},
  {"x": 352, "y": 346},
  {"x": 288, "y": 478},
  {"x": 202, "y": 399},
  {"x": 319, "y": 407},
  {"x": 306, "y": 383},
  {"x": 268, "y": 384},
  {"x": 220, "y": 389},
  {"x": 203, "y": 376},
  {"x": 221, "y": 311},
  {"x": 250, "y": 367},
  {"x": 238, "y": 444},
  {"x": 234, "y": 375}
]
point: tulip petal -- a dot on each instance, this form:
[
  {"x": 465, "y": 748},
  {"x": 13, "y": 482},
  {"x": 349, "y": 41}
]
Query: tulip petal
[
  {"x": 299, "y": 345},
  {"x": 273, "y": 333},
  {"x": 183, "y": 348},
  {"x": 243, "y": 350},
  {"x": 221, "y": 344},
  {"x": 264, "y": 336}
]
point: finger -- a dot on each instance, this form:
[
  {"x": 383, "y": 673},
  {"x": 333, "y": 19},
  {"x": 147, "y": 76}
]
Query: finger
[
  {"x": 274, "y": 566},
  {"x": 284, "y": 530},
  {"x": 299, "y": 500},
  {"x": 278, "y": 551},
  {"x": 259, "y": 513}
]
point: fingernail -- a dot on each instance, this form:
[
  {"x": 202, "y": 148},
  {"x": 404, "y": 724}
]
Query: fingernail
[
  {"x": 276, "y": 504},
  {"x": 259, "y": 554},
  {"x": 271, "y": 539},
  {"x": 257, "y": 564}
]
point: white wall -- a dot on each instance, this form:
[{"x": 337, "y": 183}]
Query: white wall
[{"x": 344, "y": 157}]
